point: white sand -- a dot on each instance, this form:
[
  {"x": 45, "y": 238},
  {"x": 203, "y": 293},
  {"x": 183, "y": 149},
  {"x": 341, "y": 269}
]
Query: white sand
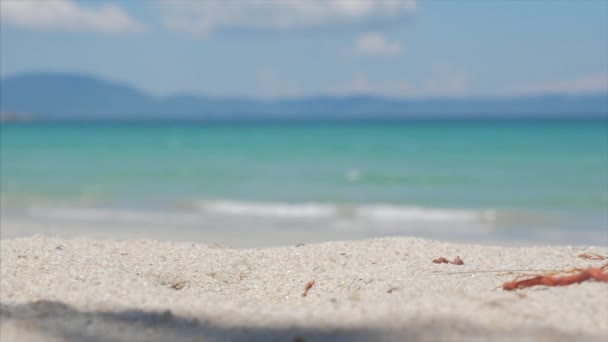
[{"x": 383, "y": 289}]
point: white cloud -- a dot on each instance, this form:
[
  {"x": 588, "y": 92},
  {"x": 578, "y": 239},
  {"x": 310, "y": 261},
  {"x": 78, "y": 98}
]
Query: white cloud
[
  {"x": 450, "y": 81},
  {"x": 66, "y": 15},
  {"x": 583, "y": 84},
  {"x": 373, "y": 43},
  {"x": 445, "y": 81},
  {"x": 203, "y": 17}
]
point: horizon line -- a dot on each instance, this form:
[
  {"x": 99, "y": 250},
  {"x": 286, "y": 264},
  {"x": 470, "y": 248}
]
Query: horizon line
[{"x": 327, "y": 95}]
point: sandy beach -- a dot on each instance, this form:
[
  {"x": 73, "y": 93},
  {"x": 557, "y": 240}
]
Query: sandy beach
[{"x": 382, "y": 289}]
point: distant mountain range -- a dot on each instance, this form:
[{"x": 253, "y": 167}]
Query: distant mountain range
[{"x": 54, "y": 96}]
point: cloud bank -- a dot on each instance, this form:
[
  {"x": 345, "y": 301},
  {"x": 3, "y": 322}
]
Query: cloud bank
[
  {"x": 591, "y": 83},
  {"x": 65, "y": 15},
  {"x": 374, "y": 43},
  {"x": 203, "y": 17},
  {"x": 445, "y": 81}
]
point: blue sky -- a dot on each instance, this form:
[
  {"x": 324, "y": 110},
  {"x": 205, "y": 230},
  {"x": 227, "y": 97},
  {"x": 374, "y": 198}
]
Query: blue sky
[{"x": 303, "y": 47}]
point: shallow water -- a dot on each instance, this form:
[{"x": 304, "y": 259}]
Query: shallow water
[{"x": 544, "y": 180}]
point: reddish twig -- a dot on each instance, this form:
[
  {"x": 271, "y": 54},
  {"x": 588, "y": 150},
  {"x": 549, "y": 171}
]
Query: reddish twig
[
  {"x": 592, "y": 256},
  {"x": 548, "y": 280},
  {"x": 493, "y": 271},
  {"x": 308, "y": 287}
]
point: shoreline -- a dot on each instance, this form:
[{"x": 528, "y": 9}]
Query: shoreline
[
  {"x": 382, "y": 289},
  {"x": 263, "y": 232}
]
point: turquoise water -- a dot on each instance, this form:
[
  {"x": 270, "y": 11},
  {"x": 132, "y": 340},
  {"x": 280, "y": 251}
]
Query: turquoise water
[{"x": 521, "y": 171}]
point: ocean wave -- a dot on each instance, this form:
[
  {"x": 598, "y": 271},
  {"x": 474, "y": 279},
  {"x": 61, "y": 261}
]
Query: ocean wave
[
  {"x": 114, "y": 215},
  {"x": 368, "y": 212},
  {"x": 404, "y": 213},
  {"x": 195, "y": 212},
  {"x": 303, "y": 210}
]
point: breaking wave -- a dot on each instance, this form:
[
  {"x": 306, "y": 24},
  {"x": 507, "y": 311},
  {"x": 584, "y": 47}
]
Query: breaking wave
[
  {"x": 194, "y": 212},
  {"x": 365, "y": 211}
]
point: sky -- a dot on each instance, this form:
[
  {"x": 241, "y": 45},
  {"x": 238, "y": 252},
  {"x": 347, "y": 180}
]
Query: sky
[{"x": 297, "y": 48}]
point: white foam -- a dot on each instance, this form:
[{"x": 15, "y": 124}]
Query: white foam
[
  {"x": 97, "y": 214},
  {"x": 368, "y": 212},
  {"x": 420, "y": 214},
  {"x": 268, "y": 210},
  {"x": 304, "y": 210},
  {"x": 353, "y": 175}
]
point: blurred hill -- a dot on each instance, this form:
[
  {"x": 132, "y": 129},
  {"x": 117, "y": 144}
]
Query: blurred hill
[{"x": 56, "y": 96}]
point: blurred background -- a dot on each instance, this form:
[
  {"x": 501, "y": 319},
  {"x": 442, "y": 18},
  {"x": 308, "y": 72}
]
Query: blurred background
[{"x": 258, "y": 123}]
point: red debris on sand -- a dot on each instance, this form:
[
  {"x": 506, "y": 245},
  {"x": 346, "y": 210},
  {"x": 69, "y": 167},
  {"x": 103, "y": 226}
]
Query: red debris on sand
[
  {"x": 592, "y": 256},
  {"x": 308, "y": 287},
  {"x": 548, "y": 280},
  {"x": 458, "y": 261},
  {"x": 441, "y": 260}
]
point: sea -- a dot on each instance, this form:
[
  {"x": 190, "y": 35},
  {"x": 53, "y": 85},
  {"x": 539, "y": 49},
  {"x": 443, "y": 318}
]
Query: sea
[{"x": 500, "y": 181}]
